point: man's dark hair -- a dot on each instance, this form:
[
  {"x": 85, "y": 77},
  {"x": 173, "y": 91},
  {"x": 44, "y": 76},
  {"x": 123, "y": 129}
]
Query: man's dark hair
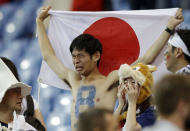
[
  {"x": 88, "y": 43},
  {"x": 11, "y": 66},
  {"x": 173, "y": 48},
  {"x": 169, "y": 91},
  {"x": 185, "y": 36},
  {"x": 93, "y": 118}
]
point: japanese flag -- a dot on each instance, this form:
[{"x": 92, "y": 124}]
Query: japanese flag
[{"x": 125, "y": 36}]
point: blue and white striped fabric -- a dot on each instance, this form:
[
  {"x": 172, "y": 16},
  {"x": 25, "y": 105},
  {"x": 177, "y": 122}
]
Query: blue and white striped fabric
[{"x": 184, "y": 70}]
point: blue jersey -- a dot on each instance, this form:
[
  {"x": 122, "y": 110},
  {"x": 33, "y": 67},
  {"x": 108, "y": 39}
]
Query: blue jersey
[{"x": 147, "y": 118}]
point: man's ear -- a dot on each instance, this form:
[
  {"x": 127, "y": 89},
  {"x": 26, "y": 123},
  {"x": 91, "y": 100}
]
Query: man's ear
[
  {"x": 96, "y": 56},
  {"x": 179, "y": 52}
]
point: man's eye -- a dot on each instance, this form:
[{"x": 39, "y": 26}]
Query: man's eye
[
  {"x": 80, "y": 55},
  {"x": 16, "y": 90}
]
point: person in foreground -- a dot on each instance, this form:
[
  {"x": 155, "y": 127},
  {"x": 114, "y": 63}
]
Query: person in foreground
[
  {"x": 97, "y": 119},
  {"x": 172, "y": 100}
]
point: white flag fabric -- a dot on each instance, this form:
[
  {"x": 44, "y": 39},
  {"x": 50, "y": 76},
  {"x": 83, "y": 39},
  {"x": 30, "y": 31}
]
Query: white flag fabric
[{"x": 125, "y": 35}]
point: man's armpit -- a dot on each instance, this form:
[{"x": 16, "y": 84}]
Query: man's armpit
[{"x": 116, "y": 84}]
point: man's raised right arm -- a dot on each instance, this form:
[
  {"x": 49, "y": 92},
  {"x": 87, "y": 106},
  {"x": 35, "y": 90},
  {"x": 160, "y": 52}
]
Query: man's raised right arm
[{"x": 46, "y": 49}]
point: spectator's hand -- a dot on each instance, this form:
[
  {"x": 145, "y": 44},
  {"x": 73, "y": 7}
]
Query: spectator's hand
[
  {"x": 121, "y": 94},
  {"x": 133, "y": 91},
  {"x": 175, "y": 20},
  {"x": 43, "y": 13}
]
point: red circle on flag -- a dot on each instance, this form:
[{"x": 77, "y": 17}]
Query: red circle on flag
[{"x": 119, "y": 42}]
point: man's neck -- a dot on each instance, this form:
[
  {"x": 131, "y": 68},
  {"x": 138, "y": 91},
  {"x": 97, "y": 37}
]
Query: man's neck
[
  {"x": 180, "y": 64},
  {"x": 175, "y": 119},
  {"x": 95, "y": 74},
  {"x": 6, "y": 114}
]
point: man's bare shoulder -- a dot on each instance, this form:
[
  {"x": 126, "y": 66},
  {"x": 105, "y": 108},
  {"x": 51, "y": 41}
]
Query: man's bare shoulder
[
  {"x": 73, "y": 79},
  {"x": 113, "y": 76},
  {"x": 73, "y": 75}
]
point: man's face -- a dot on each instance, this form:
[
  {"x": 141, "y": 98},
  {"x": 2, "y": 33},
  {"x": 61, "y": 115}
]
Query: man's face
[
  {"x": 83, "y": 62},
  {"x": 13, "y": 99},
  {"x": 112, "y": 123},
  {"x": 170, "y": 58}
]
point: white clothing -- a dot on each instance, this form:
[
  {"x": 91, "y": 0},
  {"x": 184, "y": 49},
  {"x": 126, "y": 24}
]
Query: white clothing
[
  {"x": 162, "y": 125},
  {"x": 18, "y": 124}
]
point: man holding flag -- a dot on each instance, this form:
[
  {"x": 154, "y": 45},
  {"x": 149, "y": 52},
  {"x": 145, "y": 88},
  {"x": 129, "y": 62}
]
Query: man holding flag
[
  {"x": 88, "y": 86},
  {"x": 177, "y": 55}
]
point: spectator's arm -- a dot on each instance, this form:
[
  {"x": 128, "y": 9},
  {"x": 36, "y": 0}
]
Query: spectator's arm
[
  {"x": 46, "y": 49},
  {"x": 120, "y": 92},
  {"x": 132, "y": 95},
  {"x": 158, "y": 45}
]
